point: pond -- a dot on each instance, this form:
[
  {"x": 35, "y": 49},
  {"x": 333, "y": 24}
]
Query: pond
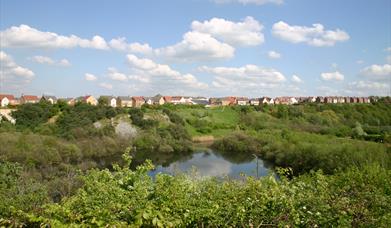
[{"x": 208, "y": 162}]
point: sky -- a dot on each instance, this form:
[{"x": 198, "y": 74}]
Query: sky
[{"x": 207, "y": 48}]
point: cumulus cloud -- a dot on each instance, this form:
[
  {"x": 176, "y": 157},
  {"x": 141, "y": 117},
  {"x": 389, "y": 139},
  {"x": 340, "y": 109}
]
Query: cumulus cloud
[
  {"x": 197, "y": 46},
  {"x": 121, "y": 45},
  {"x": 11, "y": 72},
  {"x": 314, "y": 36},
  {"x": 273, "y": 55},
  {"x": 368, "y": 88},
  {"x": 90, "y": 77},
  {"x": 377, "y": 72},
  {"x": 249, "y": 79},
  {"x": 246, "y": 33},
  {"x": 296, "y": 79},
  {"x": 332, "y": 76},
  {"x": 161, "y": 78},
  {"x": 25, "y": 36},
  {"x": 248, "y": 2},
  {"x": 49, "y": 61},
  {"x": 113, "y": 74},
  {"x": 106, "y": 85}
]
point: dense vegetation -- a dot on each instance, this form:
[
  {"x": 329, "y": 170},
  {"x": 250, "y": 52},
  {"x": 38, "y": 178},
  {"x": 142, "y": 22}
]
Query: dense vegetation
[{"x": 56, "y": 165}]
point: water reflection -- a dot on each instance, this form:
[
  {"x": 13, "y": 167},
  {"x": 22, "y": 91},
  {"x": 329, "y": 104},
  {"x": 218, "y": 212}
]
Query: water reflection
[{"x": 208, "y": 162}]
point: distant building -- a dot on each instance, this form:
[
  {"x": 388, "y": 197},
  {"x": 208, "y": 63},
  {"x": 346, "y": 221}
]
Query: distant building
[
  {"x": 225, "y": 101},
  {"x": 267, "y": 100},
  {"x": 137, "y": 102},
  {"x": 242, "y": 101},
  {"x": 24, "y": 99},
  {"x": 51, "y": 99},
  {"x": 285, "y": 100},
  {"x": 112, "y": 101},
  {"x": 254, "y": 101},
  {"x": 124, "y": 101},
  {"x": 158, "y": 100},
  {"x": 6, "y": 99},
  {"x": 88, "y": 99}
]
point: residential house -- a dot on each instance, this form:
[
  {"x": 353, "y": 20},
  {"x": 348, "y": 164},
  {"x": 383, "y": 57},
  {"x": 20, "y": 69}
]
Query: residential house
[
  {"x": 24, "y": 99},
  {"x": 177, "y": 100},
  {"x": 340, "y": 100},
  {"x": 353, "y": 100},
  {"x": 285, "y": 100},
  {"x": 347, "y": 99},
  {"x": 51, "y": 99},
  {"x": 311, "y": 99},
  {"x": 366, "y": 100},
  {"x": 320, "y": 99},
  {"x": 68, "y": 100},
  {"x": 6, "y": 99},
  {"x": 158, "y": 100},
  {"x": 137, "y": 102},
  {"x": 112, "y": 101},
  {"x": 215, "y": 101},
  {"x": 267, "y": 100},
  {"x": 242, "y": 101},
  {"x": 360, "y": 100},
  {"x": 225, "y": 101},
  {"x": 124, "y": 101},
  {"x": 88, "y": 99},
  {"x": 167, "y": 99},
  {"x": 254, "y": 101}
]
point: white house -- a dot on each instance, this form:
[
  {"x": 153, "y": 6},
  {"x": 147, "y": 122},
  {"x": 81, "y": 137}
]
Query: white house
[{"x": 6, "y": 99}]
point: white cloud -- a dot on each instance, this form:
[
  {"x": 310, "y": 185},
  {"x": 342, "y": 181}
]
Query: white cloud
[
  {"x": 49, "y": 61},
  {"x": 249, "y": 79},
  {"x": 121, "y": 45},
  {"x": 106, "y": 85},
  {"x": 247, "y": 72},
  {"x": 388, "y": 59},
  {"x": 377, "y": 72},
  {"x": 197, "y": 46},
  {"x": 360, "y": 61},
  {"x": 12, "y": 71},
  {"x": 90, "y": 77},
  {"x": 156, "y": 77},
  {"x": 113, "y": 74},
  {"x": 255, "y": 2},
  {"x": 332, "y": 76},
  {"x": 388, "y": 49},
  {"x": 296, "y": 79},
  {"x": 26, "y": 36},
  {"x": 369, "y": 88},
  {"x": 314, "y": 36},
  {"x": 246, "y": 33},
  {"x": 273, "y": 55}
]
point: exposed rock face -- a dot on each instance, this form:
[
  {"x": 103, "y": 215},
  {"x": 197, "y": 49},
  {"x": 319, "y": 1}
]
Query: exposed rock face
[{"x": 125, "y": 130}]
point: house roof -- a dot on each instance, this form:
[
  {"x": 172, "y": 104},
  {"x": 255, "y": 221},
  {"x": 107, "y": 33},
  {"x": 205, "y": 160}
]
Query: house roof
[
  {"x": 167, "y": 98},
  {"x": 46, "y": 97},
  {"x": 30, "y": 97},
  {"x": 242, "y": 99},
  {"x": 108, "y": 97},
  {"x": 8, "y": 96},
  {"x": 176, "y": 98},
  {"x": 125, "y": 98},
  {"x": 139, "y": 98}
]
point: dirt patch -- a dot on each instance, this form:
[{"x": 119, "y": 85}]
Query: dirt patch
[{"x": 203, "y": 139}]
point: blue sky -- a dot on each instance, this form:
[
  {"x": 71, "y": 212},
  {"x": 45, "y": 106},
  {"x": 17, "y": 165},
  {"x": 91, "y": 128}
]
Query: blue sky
[{"x": 197, "y": 47}]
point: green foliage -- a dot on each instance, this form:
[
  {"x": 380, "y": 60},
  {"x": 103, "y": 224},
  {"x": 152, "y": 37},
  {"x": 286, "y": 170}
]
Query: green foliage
[
  {"x": 125, "y": 197},
  {"x": 31, "y": 115}
]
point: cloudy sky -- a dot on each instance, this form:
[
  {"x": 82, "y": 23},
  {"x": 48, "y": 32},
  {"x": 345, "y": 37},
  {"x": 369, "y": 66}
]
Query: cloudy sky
[{"x": 196, "y": 47}]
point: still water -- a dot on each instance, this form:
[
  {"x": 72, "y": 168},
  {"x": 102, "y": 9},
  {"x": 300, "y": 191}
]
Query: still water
[{"x": 208, "y": 162}]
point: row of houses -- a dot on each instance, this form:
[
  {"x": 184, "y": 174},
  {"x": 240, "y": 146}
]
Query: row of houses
[{"x": 138, "y": 101}]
